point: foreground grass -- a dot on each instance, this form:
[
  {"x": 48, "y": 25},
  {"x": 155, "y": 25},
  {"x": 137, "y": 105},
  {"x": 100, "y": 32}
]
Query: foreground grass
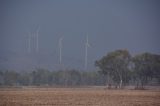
[{"x": 78, "y": 97}]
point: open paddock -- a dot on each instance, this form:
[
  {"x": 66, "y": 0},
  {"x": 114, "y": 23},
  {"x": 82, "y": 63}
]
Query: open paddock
[{"x": 77, "y": 97}]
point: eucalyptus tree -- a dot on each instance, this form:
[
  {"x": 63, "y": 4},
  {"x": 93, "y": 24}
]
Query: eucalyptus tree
[
  {"x": 116, "y": 66},
  {"x": 146, "y": 67}
]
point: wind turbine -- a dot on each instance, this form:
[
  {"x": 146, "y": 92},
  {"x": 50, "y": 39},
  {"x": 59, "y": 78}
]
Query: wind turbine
[
  {"x": 60, "y": 59},
  {"x": 86, "y": 53},
  {"x": 60, "y": 50}
]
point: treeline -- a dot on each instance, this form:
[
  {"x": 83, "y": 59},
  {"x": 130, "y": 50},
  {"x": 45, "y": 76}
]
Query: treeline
[
  {"x": 43, "y": 77},
  {"x": 118, "y": 68},
  {"x": 122, "y": 69}
]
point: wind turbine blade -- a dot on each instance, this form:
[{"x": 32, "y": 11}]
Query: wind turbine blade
[{"x": 87, "y": 42}]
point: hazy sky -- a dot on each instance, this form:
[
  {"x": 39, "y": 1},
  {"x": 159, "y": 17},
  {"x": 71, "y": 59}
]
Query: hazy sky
[{"x": 110, "y": 25}]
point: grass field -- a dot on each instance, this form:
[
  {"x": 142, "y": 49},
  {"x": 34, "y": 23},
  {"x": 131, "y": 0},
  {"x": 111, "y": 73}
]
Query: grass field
[{"x": 78, "y": 97}]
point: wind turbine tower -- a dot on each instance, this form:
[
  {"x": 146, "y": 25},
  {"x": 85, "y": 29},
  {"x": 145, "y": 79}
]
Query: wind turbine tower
[
  {"x": 60, "y": 50},
  {"x": 86, "y": 53},
  {"x": 29, "y": 42},
  {"x": 37, "y": 39}
]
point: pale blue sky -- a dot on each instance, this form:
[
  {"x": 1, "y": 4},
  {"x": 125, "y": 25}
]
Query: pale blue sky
[{"x": 110, "y": 25}]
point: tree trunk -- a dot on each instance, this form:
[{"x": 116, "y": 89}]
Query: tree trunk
[
  {"x": 108, "y": 82},
  {"x": 120, "y": 84}
]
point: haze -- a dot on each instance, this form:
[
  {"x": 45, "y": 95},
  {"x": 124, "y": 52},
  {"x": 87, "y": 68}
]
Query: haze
[{"x": 110, "y": 25}]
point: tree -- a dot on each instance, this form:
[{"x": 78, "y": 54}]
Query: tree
[
  {"x": 115, "y": 66},
  {"x": 25, "y": 79},
  {"x": 146, "y": 67},
  {"x": 1, "y": 77},
  {"x": 10, "y": 78},
  {"x": 73, "y": 77},
  {"x": 40, "y": 77}
]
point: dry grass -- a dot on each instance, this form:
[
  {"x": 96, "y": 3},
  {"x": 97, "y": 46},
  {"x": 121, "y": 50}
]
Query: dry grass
[{"x": 78, "y": 97}]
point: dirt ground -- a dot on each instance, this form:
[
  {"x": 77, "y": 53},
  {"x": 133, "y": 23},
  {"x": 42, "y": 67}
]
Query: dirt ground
[{"x": 78, "y": 97}]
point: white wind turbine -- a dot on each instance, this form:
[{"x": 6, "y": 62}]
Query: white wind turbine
[{"x": 86, "y": 52}]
